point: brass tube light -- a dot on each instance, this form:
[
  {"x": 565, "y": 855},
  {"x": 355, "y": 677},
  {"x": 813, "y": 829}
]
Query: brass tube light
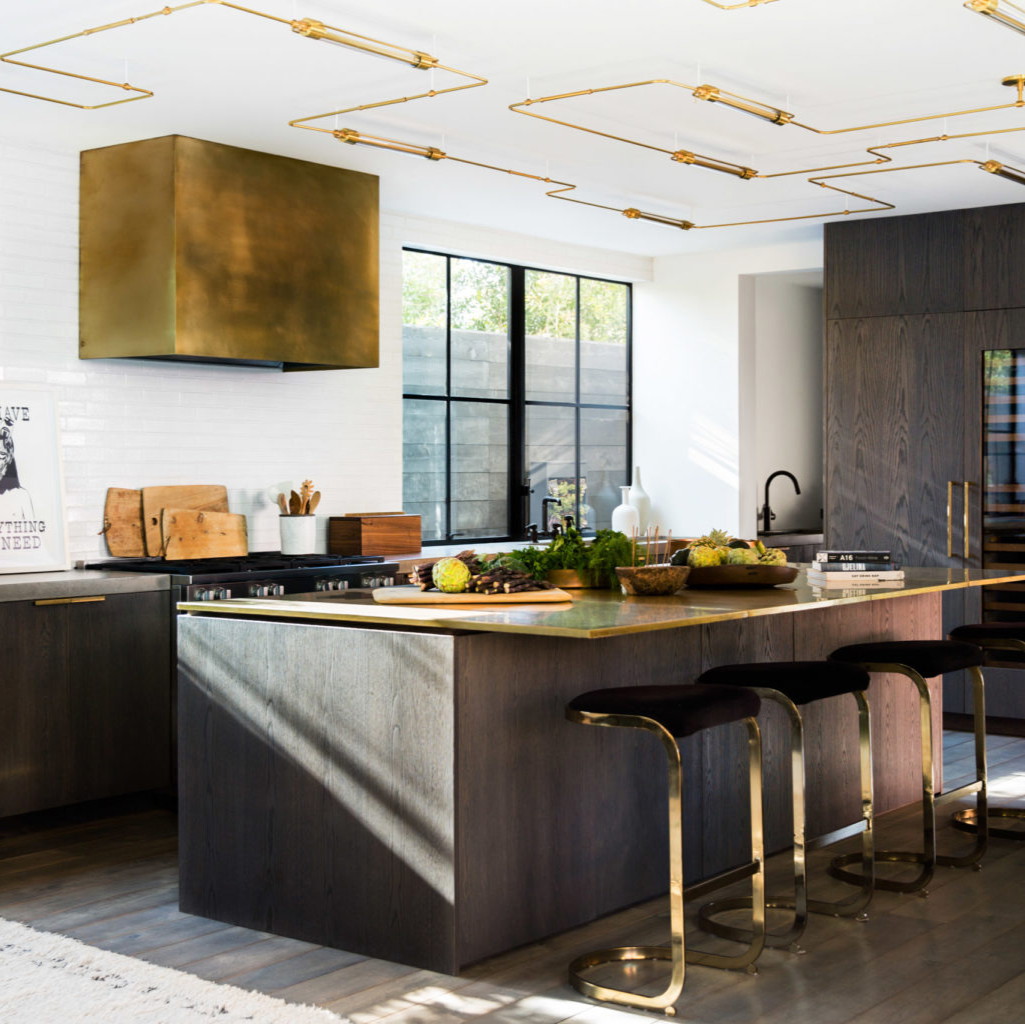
[
  {"x": 313, "y": 29},
  {"x": 1002, "y": 171},
  {"x": 995, "y": 9},
  {"x": 747, "y": 106}
]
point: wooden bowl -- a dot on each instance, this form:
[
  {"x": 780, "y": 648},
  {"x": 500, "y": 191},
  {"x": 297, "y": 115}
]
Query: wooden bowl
[
  {"x": 719, "y": 576},
  {"x": 652, "y": 580}
]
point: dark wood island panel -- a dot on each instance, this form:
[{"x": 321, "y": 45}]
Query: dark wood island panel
[{"x": 418, "y": 795}]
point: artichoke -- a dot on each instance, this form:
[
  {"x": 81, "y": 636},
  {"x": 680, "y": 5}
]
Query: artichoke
[{"x": 450, "y": 575}]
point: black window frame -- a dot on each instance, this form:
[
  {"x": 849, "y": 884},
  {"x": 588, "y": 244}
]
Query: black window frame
[{"x": 519, "y": 491}]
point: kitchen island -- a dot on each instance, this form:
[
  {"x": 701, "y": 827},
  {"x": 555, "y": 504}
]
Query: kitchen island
[{"x": 400, "y": 781}]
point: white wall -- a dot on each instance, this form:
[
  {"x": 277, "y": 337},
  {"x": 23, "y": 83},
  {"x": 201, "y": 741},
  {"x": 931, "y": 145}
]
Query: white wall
[
  {"x": 781, "y": 369},
  {"x": 687, "y": 424},
  {"x": 130, "y": 423}
]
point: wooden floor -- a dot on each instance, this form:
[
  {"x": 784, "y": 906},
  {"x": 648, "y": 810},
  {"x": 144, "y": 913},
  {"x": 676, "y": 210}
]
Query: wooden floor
[{"x": 957, "y": 956}]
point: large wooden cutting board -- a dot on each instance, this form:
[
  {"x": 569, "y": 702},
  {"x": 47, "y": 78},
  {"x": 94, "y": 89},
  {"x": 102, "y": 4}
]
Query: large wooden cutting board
[
  {"x": 122, "y": 523},
  {"x": 190, "y": 533},
  {"x": 414, "y": 595},
  {"x": 203, "y": 497}
]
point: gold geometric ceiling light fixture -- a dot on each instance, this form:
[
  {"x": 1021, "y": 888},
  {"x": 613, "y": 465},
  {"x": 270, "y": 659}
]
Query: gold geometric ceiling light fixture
[
  {"x": 308, "y": 27},
  {"x": 999, "y": 10},
  {"x": 764, "y": 111},
  {"x": 734, "y": 7}
]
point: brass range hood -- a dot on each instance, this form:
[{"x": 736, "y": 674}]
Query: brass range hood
[{"x": 197, "y": 251}]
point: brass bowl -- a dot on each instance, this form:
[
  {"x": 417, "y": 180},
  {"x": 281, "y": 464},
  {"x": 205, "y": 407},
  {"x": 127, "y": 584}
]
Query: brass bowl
[{"x": 652, "y": 580}]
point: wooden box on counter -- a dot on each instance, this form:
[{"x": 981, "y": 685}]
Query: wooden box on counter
[{"x": 377, "y": 533}]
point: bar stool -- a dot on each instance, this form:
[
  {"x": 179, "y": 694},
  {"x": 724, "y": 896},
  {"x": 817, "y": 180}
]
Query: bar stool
[
  {"x": 673, "y": 712},
  {"x": 990, "y": 636},
  {"x": 792, "y": 685},
  {"x": 920, "y": 660}
]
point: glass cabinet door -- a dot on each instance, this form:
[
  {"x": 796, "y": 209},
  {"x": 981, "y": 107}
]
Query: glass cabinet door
[{"x": 1003, "y": 493}]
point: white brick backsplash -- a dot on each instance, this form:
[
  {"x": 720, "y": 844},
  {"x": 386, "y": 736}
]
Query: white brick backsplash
[{"x": 132, "y": 423}]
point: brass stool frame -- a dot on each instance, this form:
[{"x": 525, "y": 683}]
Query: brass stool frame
[
  {"x": 676, "y": 952},
  {"x": 967, "y": 820},
  {"x": 852, "y": 906},
  {"x": 928, "y": 857}
]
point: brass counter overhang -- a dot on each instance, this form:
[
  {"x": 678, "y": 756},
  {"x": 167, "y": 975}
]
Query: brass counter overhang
[{"x": 595, "y": 615}]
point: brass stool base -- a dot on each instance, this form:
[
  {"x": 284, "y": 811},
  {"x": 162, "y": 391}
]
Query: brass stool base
[
  {"x": 968, "y": 821},
  {"x": 837, "y": 869},
  {"x": 623, "y": 954},
  {"x": 780, "y": 940}
]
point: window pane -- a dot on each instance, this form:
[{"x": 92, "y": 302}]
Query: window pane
[
  {"x": 551, "y": 461},
  {"x": 480, "y": 330},
  {"x": 603, "y": 323},
  {"x": 603, "y": 468},
  {"x": 551, "y": 349},
  {"x": 480, "y": 470},
  {"x": 423, "y": 465},
  {"x": 424, "y": 306}
]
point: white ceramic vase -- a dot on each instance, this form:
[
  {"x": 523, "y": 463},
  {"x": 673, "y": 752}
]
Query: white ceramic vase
[
  {"x": 640, "y": 501},
  {"x": 298, "y": 534},
  {"x": 624, "y": 516}
]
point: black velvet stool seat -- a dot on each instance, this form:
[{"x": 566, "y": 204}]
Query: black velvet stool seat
[
  {"x": 920, "y": 660},
  {"x": 671, "y": 713},
  {"x": 792, "y": 685},
  {"x": 990, "y": 636}
]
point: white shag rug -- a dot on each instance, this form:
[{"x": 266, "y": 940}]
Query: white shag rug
[{"x": 50, "y": 979}]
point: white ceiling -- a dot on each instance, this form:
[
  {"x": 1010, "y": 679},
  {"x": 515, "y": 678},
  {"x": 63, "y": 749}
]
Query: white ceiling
[{"x": 229, "y": 76}]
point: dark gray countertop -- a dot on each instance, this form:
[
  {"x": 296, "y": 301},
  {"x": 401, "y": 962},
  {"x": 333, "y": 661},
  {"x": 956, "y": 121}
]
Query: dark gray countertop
[{"x": 36, "y": 586}]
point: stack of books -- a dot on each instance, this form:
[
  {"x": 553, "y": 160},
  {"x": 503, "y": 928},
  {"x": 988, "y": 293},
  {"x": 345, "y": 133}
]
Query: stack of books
[{"x": 846, "y": 569}]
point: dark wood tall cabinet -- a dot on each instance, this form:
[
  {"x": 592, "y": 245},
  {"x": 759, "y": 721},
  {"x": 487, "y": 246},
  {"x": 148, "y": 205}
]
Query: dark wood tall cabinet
[{"x": 913, "y": 305}]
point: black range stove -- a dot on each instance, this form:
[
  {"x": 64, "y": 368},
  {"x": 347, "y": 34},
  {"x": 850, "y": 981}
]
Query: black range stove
[{"x": 260, "y": 574}]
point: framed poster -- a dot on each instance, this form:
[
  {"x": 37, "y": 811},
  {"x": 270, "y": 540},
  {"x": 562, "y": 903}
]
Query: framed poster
[{"x": 33, "y": 534}]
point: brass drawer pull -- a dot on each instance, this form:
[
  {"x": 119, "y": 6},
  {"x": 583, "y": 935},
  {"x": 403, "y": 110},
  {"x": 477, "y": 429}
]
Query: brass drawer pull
[
  {"x": 950, "y": 519},
  {"x": 71, "y": 600}
]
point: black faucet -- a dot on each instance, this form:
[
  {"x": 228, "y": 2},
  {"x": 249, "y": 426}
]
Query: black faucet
[
  {"x": 547, "y": 527},
  {"x": 531, "y": 532},
  {"x": 767, "y": 514}
]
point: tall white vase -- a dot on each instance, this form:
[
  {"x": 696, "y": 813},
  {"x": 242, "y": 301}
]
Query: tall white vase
[
  {"x": 624, "y": 516},
  {"x": 640, "y": 501}
]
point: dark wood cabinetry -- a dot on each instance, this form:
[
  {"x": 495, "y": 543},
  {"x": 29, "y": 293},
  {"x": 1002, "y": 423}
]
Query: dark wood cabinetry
[
  {"x": 86, "y": 690},
  {"x": 895, "y": 265},
  {"x": 913, "y": 306}
]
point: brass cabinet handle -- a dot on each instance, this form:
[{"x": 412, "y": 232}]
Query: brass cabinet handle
[
  {"x": 70, "y": 600},
  {"x": 950, "y": 519},
  {"x": 967, "y": 514}
]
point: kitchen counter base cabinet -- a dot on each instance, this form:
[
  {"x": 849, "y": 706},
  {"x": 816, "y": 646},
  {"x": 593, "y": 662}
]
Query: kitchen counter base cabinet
[
  {"x": 86, "y": 686},
  {"x": 419, "y": 795}
]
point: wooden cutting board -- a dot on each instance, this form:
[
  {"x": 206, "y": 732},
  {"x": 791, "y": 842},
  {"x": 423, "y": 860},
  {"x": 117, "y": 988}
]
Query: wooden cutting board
[
  {"x": 202, "y": 497},
  {"x": 414, "y": 595},
  {"x": 122, "y": 523},
  {"x": 191, "y": 533}
]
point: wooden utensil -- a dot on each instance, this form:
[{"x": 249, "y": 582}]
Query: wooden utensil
[
  {"x": 190, "y": 533},
  {"x": 202, "y": 497},
  {"x": 122, "y": 523},
  {"x": 295, "y": 504}
]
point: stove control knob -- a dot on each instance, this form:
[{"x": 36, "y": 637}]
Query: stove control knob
[
  {"x": 201, "y": 594},
  {"x": 219, "y": 593},
  {"x": 276, "y": 589},
  {"x": 258, "y": 589}
]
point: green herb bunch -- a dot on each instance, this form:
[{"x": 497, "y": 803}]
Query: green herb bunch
[{"x": 597, "y": 559}]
